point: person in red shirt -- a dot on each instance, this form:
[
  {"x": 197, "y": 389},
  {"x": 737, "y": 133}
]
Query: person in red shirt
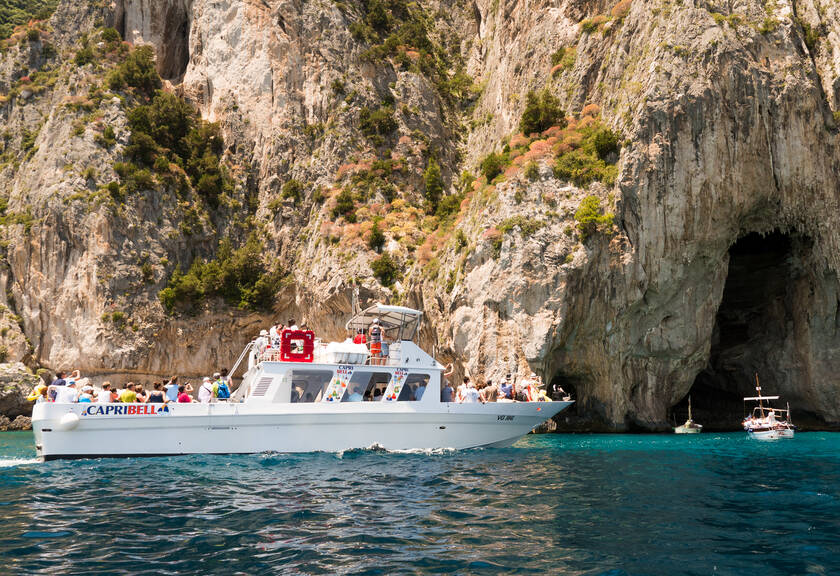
[
  {"x": 183, "y": 397},
  {"x": 360, "y": 337}
]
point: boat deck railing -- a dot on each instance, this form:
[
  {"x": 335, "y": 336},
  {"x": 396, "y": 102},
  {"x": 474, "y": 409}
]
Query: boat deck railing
[{"x": 320, "y": 355}]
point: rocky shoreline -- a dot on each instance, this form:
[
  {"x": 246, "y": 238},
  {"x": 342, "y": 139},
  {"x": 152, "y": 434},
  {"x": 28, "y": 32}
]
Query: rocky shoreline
[{"x": 16, "y": 383}]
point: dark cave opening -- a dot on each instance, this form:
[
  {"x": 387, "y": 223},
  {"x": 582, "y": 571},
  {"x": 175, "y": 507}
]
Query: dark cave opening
[
  {"x": 174, "y": 53},
  {"x": 755, "y": 329}
]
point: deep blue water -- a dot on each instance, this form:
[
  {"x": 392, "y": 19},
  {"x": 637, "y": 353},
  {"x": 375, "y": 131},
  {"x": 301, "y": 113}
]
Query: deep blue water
[{"x": 557, "y": 504}]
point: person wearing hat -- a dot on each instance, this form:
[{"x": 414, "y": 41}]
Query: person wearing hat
[
  {"x": 86, "y": 395},
  {"x": 205, "y": 391},
  {"x": 38, "y": 394},
  {"x": 507, "y": 388},
  {"x": 375, "y": 335},
  {"x": 261, "y": 343},
  {"x": 66, "y": 394}
]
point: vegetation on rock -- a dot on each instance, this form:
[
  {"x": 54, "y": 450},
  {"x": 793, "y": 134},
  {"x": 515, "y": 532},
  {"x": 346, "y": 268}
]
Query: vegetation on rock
[
  {"x": 18, "y": 12},
  {"x": 542, "y": 111},
  {"x": 591, "y": 218},
  {"x": 239, "y": 276}
]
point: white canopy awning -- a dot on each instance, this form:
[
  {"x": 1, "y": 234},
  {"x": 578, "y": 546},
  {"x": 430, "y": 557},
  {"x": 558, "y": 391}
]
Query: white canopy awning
[{"x": 407, "y": 320}]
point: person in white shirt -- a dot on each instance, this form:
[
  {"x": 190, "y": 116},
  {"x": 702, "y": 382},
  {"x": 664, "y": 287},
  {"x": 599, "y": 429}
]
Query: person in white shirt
[
  {"x": 104, "y": 396},
  {"x": 262, "y": 342},
  {"x": 292, "y": 324},
  {"x": 66, "y": 394},
  {"x": 471, "y": 394},
  {"x": 205, "y": 392}
]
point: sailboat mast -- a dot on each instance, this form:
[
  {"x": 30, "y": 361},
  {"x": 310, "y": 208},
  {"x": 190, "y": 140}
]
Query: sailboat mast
[
  {"x": 758, "y": 390},
  {"x": 689, "y": 407}
]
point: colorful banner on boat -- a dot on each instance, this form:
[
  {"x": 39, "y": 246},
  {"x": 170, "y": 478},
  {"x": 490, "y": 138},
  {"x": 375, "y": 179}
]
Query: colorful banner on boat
[
  {"x": 396, "y": 384},
  {"x": 339, "y": 383},
  {"x": 126, "y": 410}
]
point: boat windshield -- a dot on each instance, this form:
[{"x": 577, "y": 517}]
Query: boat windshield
[{"x": 401, "y": 323}]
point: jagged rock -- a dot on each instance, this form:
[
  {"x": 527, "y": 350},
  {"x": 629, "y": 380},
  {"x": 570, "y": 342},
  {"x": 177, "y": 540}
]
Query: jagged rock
[
  {"x": 21, "y": 423},
  {"x": 16, "y": 383},
  {"x": 722, "y": 262}
]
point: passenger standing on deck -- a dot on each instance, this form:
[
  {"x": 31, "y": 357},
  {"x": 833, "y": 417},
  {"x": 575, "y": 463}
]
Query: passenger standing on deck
[
  {"x": 156, "y": 396},
  {"x": 205, "y": 391},
  {"x": 86, "y": 395},
  {"x": 507, "y": 388},
  {"x": 360, "y": 338},
  {"x": 462, "y": 390},
  {"x": 421, "y": 389},
  {"x": 261, "y": 343},
  {"x": 128, "y": 395},
  {"x": 171, "y": 389},
  {"x": 66, "y": 394},
  {"x": 104, "y": 396},
  {"x": 471, "y": 394},
  {"x": 292, "y": 324},
  {"x": 53, "y": 388},
  {"x": 490, "y": 392},
  {"x": 183, "y": 396},
  {"x": 375, "y": 334},
  {"x": 221, "y": 390},
  {"x": 447, "y": 392}
]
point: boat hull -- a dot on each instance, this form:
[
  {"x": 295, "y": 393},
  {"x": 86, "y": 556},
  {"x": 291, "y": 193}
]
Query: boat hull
[
  {"x": 771, "y": 434},
  {"x": 687, "y": 430},
  {"x": 95, "y": 430}
]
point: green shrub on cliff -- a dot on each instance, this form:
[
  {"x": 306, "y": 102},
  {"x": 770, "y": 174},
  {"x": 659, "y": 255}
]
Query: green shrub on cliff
[
  {"x": 385, "y": 269},
  {"x": 168, "y": 130},
  {"x": 137, "y": 71},
  {"x": 18, "y": 12},
  {"x": 592, "y": 160},
  {"x": 433, "y": 185},
  {"x": 376, "y": 124},
  {"x": 239, "y": 276},
  {"x": 493, "y": 164},
  {"x": 590, "y": 217},
  {"x": 542, "y": 111}
]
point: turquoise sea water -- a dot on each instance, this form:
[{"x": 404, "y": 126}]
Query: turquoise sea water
[{"x": 554, "y": 504}]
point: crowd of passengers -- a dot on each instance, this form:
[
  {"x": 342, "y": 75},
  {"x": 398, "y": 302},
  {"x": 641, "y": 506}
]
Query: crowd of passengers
[
  {"x": 529, "y": 390},
  {"x": 75, "y": 389},
  {"x": 375, "y": 338}
]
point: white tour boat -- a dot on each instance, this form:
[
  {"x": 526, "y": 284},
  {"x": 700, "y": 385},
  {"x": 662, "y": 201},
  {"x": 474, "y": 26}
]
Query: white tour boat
[
  {"x": 690, "y": 426},
  {"x": 765, "y": 422},
  {"x": 300, "y": 396}
]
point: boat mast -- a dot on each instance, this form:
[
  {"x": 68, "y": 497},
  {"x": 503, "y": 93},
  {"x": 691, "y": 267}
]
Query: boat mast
[
  {"x": 689, "y": 407},
  {"x": 758, "y": 389}
]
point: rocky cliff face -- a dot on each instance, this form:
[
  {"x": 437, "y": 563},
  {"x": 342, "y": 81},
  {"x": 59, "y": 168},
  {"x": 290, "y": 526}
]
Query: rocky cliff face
[{"x": 720, "y": 261}]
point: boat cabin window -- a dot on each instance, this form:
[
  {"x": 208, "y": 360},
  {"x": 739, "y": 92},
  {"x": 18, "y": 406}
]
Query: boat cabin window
[
  {"x": 309, "y": 385},
  {"x": 363, "y": 386},
  {"x": 410, "y": 389}
]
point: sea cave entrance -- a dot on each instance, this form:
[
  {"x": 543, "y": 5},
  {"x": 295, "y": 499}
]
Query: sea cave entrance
[{"x": 761, "y": 318}]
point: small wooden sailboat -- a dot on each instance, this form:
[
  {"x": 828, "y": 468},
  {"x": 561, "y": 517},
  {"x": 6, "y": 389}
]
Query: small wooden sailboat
[
  {"x": 766, "y": 422},
  {"x": 690, "y": 426}
]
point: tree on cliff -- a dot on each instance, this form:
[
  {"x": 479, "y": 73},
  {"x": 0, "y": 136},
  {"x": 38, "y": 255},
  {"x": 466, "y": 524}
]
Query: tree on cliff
[{"x": 542, "y": 111}]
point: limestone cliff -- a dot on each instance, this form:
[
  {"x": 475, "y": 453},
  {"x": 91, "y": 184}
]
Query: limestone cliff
[{"x": 720, "y": 259}]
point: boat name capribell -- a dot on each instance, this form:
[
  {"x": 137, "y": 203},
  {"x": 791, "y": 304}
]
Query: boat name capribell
[{"x": 128, "y": 410}]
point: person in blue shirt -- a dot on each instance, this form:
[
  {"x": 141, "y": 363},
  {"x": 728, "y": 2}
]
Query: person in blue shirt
[
  {"x": 172, "y": 390},
  {"x": 507, "y": 388}
]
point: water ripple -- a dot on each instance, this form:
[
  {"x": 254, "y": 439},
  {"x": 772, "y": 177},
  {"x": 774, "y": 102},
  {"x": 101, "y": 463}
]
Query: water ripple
[{"x": 577, "y": 504}]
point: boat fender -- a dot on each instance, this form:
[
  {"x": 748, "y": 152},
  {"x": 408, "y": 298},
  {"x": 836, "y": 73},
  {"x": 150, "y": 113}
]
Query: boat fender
[{"x": 68, "y": 422}]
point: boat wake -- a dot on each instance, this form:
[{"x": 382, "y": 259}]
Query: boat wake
[
  {"x": 11, "y": 462},
  {"x": 380, "y": 448}
]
